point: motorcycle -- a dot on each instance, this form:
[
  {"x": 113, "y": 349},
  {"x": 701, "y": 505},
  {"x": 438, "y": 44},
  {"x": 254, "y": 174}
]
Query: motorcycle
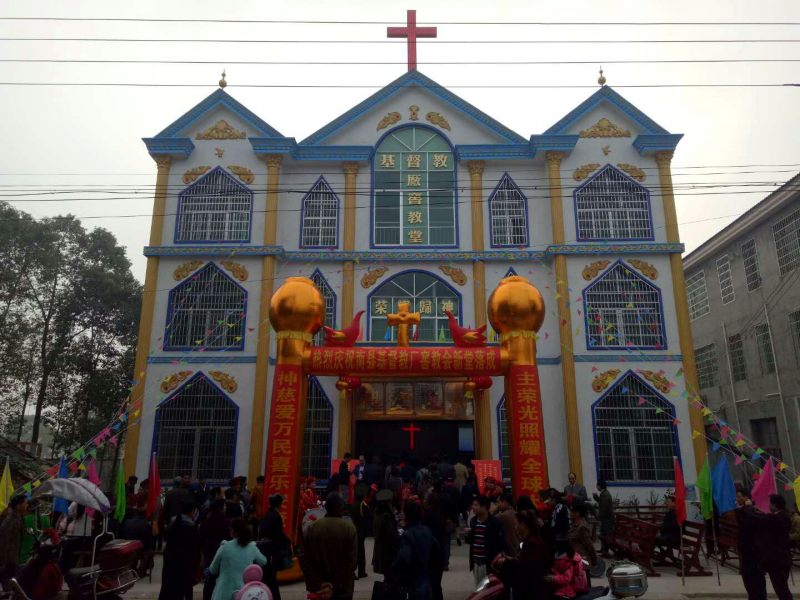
[{"x": 112, "y": 571}]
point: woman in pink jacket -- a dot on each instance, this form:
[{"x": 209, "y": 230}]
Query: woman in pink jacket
[{"x": 568, "y": 577}]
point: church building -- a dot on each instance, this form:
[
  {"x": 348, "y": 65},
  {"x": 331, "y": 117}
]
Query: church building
[{"x": 414, "y": 195}]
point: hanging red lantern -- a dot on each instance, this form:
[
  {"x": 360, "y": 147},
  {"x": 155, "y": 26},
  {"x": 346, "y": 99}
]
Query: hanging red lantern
[
  {"x": 353, "y": 382},
  {"x": 484, "y": 382}
]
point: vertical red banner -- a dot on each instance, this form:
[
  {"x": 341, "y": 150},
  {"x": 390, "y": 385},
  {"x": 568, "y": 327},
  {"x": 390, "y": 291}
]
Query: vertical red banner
[
  {"x": 284, "y": 452},
  {"x": 526, "y": 425},
  {"x": 487, "y": 468}
]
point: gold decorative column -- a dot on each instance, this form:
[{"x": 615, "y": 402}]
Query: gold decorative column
[
  {"x": 483, "y": 411},
  {"x": 274, "y": 162},
  {"x": 348, "y": 295},
  {"x": 663, "y": 159},
  {"x": 564, "y": 317},
  {"x": 148, "y": 304}
]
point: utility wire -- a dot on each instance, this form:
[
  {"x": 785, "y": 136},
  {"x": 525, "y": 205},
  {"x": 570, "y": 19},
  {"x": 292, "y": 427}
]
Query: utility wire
[
  {"x": 380, "y": 86},
  {"x": 399, "y": 42}
]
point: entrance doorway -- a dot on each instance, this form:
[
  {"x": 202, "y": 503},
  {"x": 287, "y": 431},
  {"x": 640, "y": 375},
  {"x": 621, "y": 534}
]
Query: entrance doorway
[{"x": 431, "y": 437}]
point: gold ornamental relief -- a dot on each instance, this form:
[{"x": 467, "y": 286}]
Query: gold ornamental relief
[
  {"x": 605, "y": 129},
  {"x": 174, "y": 380},
  {"x": 661, "y": 383},
  {"x": 237, "y": 270},
  {"x": 602, "y": 380},
  {"x": 646, "y": 268},
  {"x": 225, "y": 381},
  {"x": 634, "y": 171},
  {"x": 243, "y": 173},
  {"x": 371, "y": 277},
  {"x": 414, "y": 110},
  {"x": 437, "y": 119},
  {"x": 192, "y": 174},
  {"x": 183, "y": 271},
  {"x": 221, "y": 131},
  {"x": 584, "y": 171},
  {"x": 591, "y": 271},
  {"x": 456, "y": 274},
  {"x": 390, "y": 119}
]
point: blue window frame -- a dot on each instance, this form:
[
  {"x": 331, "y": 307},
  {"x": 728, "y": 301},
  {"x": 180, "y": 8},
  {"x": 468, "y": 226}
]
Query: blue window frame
[
  {"x": 206, "y": 311},
  {"x": 319, "y": 217},
  {"x": 510, "y": 273},
  {"x": 195, "y": 432},
  {"x": 318, "y": 435},
  {"x": 502, "y": 439},
  {"x": 634, "y": 445},
  {"x": 508, "y": 215},
  {"x": 330, "y": 305},
  {"x": 623, "y": 310},
  {"x": 214, "y": 209}
]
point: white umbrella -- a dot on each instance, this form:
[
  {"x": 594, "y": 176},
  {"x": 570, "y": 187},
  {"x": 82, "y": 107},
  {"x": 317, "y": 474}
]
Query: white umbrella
[{"x": 80, "y": 491}]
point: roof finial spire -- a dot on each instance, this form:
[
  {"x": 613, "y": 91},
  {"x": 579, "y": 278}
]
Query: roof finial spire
[
  {"x": 223, "y": 83},
  {"x": 601, "y": 80}
]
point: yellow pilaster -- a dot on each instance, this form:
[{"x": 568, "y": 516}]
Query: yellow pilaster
[
  {"x": 664, "y": 159},
  {"x": 483, "y": 411},
  {"x": 148, "y": 304},
  {"x": 274, "y": 162},
  {"x": 564, "y": 318},
  {"x": 348, "y": 296}
]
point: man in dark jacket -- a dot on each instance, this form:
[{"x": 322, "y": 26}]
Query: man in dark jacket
[
  {"x": 174, "y": 499},
  {"x": 373, "y": 472},
  {"x": 670, "y": 534},
  {"x": 136, "y": 527},
  {"x": 445, "y": 468},
  {"x": 606, "y": 515},
  {"x": 344, "y": 476},
  {"x": 417, "y": 545},
  {"x": 359, "y": 512},
  {"x": 181, "y": 556},
  {"x": 485, "y": 538},
  {"x": 770, "y": 535},
  {"x": 747, "y": 543}
]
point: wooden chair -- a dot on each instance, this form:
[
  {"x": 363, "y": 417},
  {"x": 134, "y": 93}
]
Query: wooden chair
[
  {"x": 728, "y": 542},
  {"x": 634, "y": 539}
]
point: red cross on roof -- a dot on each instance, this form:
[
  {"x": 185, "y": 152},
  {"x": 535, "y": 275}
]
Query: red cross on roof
[{"x": 412, "y": 32}]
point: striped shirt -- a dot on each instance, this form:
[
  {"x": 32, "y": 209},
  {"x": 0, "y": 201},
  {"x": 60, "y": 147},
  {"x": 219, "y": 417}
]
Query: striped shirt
[{"x": 479, "y": 542}]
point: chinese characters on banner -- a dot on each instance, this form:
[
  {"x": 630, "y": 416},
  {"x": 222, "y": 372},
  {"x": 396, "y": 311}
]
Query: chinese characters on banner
[
  {"x": 284, "y": 453},
  {"x": 393, "y": 361},
  {"x": 526, "y": 425},
  {"x": 487, "y": 468}
]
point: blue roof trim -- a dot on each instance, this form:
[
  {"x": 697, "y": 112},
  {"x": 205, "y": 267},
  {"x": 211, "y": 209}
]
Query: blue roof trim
[
  {"x": 181, "y": 147},
  {"x": 268, "y": 145},
  {"x": 653, "y": 142},
  {"x": 412, "y": 78},
  {"x": 554, "y": 142},
  {"x": 607, "y": 94},
  {"x": 219, "y": 97},
  {"x": 200, "y": 360},
  {"x": 494, "y": 151}
]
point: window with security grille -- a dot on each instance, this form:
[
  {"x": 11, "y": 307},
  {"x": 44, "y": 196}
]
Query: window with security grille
[
  {"x": 697, "y": 295},
  {"x": 215, "y": 209},
  {"x": 636, "y": 442},
  {"x": 415, "y": 189},
  {"x": 206, "y": 311},
  {"x": 611, "y": 206},
  {"x": 330, "y": 306},
  {"x": 505, "y": 452},
  {"x": 318, "y": 433},
  {"x": 736, "y": 350},
  {"x": 195, "y": 433},
  {"x": 787, "y": 242},
  {"x": 426, "y": 295},
  {"x": 725, "y": 280},
  {"x": 509, "y": 214},
  {"x": 794, "y": 327},
  {"x": 320, "y": 217},
  {"x": 766, "y": 437},
  {"x": 707, "y": 367},
  {"x": 764, "y": 344},
  {"x": 623, "y": 310},
  {"x": 751, "y": 271}
]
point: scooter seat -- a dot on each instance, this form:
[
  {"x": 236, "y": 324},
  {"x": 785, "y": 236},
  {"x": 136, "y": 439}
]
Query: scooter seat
[{"x": 78, "y": 572}]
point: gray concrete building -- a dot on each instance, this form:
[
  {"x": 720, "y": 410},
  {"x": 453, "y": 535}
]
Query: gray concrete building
[{"x": 744, "y": 303}]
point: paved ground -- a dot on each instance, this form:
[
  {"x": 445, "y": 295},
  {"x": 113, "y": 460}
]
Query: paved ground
[{"x": 458, "y": 583}]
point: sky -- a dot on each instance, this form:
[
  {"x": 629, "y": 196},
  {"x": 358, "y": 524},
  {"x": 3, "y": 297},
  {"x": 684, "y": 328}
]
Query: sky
[{"x": 59, "y": 138}]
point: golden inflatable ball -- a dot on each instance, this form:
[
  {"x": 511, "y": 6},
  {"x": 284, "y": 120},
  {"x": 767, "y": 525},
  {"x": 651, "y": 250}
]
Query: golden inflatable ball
[
  {"x": 516, "y": 305},
  {"x": 297, "y": 306},
  {"x": 342, "y": 385}
]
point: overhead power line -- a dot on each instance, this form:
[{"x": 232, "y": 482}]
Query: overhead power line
[
  {"x": 381, "y": 86},
  {"x": 400, "y": 42}
]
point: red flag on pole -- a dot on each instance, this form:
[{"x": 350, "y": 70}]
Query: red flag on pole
[
  {"x": 153, "y": 486},
  {"x": 680, "y": 495}
]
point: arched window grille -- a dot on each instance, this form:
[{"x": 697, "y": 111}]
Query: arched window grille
[
  {"x": 320, "y": 217},
  {"x": 196, "y": 433},
  {"x": 427, "y": 295},
  {"x": 635, "y": 443},
  {"x": 611, "y": 206},
  {"x": 623, "y": 310},
  {"x": 509, "y": 215},
  {"x": 505, "y": 452},
  {"x": 207, "y": 302},
  {"x": 330, "y": 306},
  {"x": 215, "y": 209},
  {"x": 318, "y": 433}
]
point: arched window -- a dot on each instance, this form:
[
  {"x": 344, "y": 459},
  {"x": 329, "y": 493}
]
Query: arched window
[
  {"x": 330, "y": 306},
  {"x": 636, "y": 441},
  {"x": 216, "y": 208},
  {"x": 415, "y": 190},
  {"x": 427, "y": 295},
  {"x": 623, "y": 310},
  {"x": 195, "y": 432},
  {"x": 320, "y": 218},
  {"x": 505, "y": 452},
  {"x": 318, "y": 433},
  {"x": 509, "y": 214},
  {"x": 206, "y": 311},
  {"x": 611, "y": 206}
]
